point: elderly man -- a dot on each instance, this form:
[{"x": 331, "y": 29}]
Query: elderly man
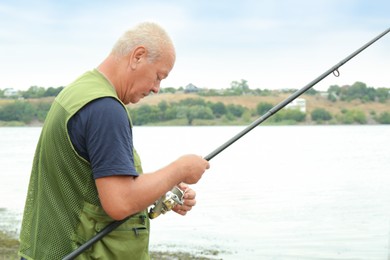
[{"x": 86, "y": 172}]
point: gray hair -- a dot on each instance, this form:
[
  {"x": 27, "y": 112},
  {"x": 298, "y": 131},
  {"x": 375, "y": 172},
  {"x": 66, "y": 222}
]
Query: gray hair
[{"x": 150, "y": 35}]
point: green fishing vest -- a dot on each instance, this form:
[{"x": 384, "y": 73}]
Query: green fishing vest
[{"x": 62, "y": 208}]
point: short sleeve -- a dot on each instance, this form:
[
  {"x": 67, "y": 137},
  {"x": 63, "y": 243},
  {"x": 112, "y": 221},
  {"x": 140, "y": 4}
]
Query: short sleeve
[{"x": 101, "y": 134}]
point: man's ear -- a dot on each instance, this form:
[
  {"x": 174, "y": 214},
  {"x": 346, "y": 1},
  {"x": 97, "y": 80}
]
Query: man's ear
[{"x": 137, "y": 55}]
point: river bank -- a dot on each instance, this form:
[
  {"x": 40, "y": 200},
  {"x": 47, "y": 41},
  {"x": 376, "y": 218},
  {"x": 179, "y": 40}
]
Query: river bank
[
  {"x": 9, "y": 250},
  {"x": 8, "y": 246}
]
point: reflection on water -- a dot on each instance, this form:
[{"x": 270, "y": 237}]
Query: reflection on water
[{"x": 278, "y": 193}]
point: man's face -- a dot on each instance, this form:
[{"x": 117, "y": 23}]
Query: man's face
[{"x": 147, "y": 76}]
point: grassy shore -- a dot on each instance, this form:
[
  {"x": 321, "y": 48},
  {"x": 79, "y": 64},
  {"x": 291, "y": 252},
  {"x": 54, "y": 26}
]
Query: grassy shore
[{"x": 9, "y": 248}]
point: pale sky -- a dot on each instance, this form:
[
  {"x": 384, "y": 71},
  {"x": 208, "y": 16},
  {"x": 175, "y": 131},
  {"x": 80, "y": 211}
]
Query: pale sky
[{"x": 273, "y": 44}]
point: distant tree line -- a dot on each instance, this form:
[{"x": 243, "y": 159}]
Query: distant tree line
[
  {"x": 33, "y": 92},
  {"x": 188, "y": 109},
  {"x": 199, "y": 109},
  {"x": 24, "y": 111},
  {"x": 27, "y": 107},
  {"x": 358, "y": 90}
]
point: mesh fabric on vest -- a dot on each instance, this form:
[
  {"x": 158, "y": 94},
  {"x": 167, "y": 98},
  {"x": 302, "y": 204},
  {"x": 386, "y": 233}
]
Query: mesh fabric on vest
[{"x": 53, "y": 199}]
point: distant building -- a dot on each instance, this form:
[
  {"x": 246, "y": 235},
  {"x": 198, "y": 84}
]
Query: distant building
[
  {"x": 190, "y": 88},
  {"x": 10, "y": 93},
  {"x": 299, "y": 103}
]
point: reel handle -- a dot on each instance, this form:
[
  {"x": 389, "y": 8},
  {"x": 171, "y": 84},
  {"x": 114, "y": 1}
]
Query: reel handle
[{"x": 166, "y": 202}]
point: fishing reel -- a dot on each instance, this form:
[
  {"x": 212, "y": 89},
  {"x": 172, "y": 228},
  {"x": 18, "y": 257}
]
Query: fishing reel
[{"x": 166, "y": 202}]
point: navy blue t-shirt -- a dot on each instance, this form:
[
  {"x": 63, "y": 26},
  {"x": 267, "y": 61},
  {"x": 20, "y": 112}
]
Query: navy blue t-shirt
[{"x": 100, "y": 132}]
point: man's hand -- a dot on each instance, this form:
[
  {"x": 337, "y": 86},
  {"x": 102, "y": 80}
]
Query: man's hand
[
  {"x": 190, "y": 167},
  {"x": 188, "y": 200}
]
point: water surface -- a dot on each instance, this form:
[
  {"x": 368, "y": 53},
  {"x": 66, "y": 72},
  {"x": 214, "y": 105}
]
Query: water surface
[{"x": 286, "y": 192}]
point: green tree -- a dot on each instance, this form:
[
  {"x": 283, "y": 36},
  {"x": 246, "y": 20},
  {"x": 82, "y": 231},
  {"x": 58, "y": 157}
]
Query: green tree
[
  {"x": 333, "y": 92},
  {"x": 218, "y": 109},
  {"x": 34, "y": 92},
  {"x": 263, "y": 107},
  {"x": 358, "y": 90},
  {"x": 236, "y": 110},
  {"x": 320, "y": 114},
  {"x": 145, "y": 114},
  {"x": 163, "y": 106},
  {"x": 311, "y": 92},
  {"x": 172, "y": 112},
  {"x": 239, "y": 87},
  {"x": 352, "y": 117},
  {"x": 17, "y": 111},
  {"x": 195, "y": 112},
  {"x": 293, "y": 115},
  {"x": 41, "y": 110},
  {"x": 332, "y": 97},
  {"x": 382, "y": 94},
  {"x": 384, "y": 118},
  {"x": 52, "y": 92}
]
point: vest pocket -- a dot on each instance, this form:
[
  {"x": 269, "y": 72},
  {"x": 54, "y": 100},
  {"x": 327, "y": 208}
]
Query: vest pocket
[{"x": 128, "y": 241}]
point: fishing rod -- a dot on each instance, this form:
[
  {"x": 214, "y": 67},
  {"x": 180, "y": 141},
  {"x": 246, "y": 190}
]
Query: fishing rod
[
  {"x": 273, "y": 110},
  {"x": 334, "y": 69}
]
